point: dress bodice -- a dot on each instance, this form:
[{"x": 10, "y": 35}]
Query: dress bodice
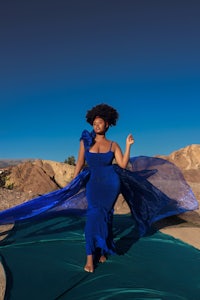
[{"x": 96, "y": 160}]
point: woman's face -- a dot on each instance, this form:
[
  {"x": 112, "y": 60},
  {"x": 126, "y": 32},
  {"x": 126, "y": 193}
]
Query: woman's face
[{"x": 99, "y": 125}]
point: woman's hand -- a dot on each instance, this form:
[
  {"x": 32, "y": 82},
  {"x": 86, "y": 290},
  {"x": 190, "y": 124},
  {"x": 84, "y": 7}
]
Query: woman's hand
[
  {"x": 122, "y": 159},
  {"x": 130, "y": 140}
]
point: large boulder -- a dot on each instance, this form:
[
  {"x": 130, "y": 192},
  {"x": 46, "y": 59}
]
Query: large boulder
[
  {"x": 32, "y": 178},
  {"x": 29, "y": 179},
  {"x": 61, "y": 173}
]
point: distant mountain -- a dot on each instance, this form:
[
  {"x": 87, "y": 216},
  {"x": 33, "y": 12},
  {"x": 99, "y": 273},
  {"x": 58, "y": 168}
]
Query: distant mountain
[{"x": 4, "y": 163}]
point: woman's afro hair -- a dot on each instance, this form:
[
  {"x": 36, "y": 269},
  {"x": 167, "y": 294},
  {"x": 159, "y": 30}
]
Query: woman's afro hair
[{"x": 104, "y": 111}]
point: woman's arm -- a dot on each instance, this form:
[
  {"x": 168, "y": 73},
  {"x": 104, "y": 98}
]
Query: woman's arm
[
  {"x": 122, "y": 159},
  {"x": 80, "y": 160}
]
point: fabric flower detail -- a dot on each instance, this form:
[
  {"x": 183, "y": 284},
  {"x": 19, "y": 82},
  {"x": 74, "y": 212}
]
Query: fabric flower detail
[{"x": 88, "y": 138}]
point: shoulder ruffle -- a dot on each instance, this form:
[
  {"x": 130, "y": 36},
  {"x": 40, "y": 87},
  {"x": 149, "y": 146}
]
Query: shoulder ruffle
[{"x": 88, "y": 138}]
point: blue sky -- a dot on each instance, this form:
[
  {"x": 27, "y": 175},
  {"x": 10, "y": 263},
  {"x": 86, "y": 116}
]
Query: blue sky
[{"x": 60, "y": 58}]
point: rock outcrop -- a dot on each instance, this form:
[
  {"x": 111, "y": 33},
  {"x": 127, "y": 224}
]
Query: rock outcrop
[
  {"x": 40, "y": 175},
  {"x": 32, "y": 178},
  {"x": 61, "y": 173},
  {"x": 188, "y": 160}
]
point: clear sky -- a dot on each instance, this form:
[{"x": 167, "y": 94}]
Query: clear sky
[{"x": 60, "y": 58}]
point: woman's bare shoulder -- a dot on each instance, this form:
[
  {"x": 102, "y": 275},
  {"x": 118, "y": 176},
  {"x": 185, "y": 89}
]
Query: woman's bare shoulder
[{"x": 114, "y": 145}]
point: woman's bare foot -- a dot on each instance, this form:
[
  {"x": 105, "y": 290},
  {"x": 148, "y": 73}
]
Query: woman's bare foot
[
  {"x": 89, "y": 267},
  {"x": 102, "y": 259}
]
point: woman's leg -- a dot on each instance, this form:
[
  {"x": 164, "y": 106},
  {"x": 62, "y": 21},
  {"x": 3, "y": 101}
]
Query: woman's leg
[
  {"x": 89, "y": 266},
  {"x": 102, "y": 258}
]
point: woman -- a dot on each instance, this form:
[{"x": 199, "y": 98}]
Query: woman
[
  {"x": 155, "y": 189},
  {"x": 103, "y": 186}
]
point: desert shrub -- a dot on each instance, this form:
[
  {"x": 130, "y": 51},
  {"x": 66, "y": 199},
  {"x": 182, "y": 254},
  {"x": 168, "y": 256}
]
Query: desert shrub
[
  {"x": 3, "y": 177},
  {"x": 70, "y": 160}
]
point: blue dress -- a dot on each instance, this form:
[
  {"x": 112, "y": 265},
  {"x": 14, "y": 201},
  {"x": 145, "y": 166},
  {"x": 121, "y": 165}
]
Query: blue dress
[{"x": 102, "y": 190}]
